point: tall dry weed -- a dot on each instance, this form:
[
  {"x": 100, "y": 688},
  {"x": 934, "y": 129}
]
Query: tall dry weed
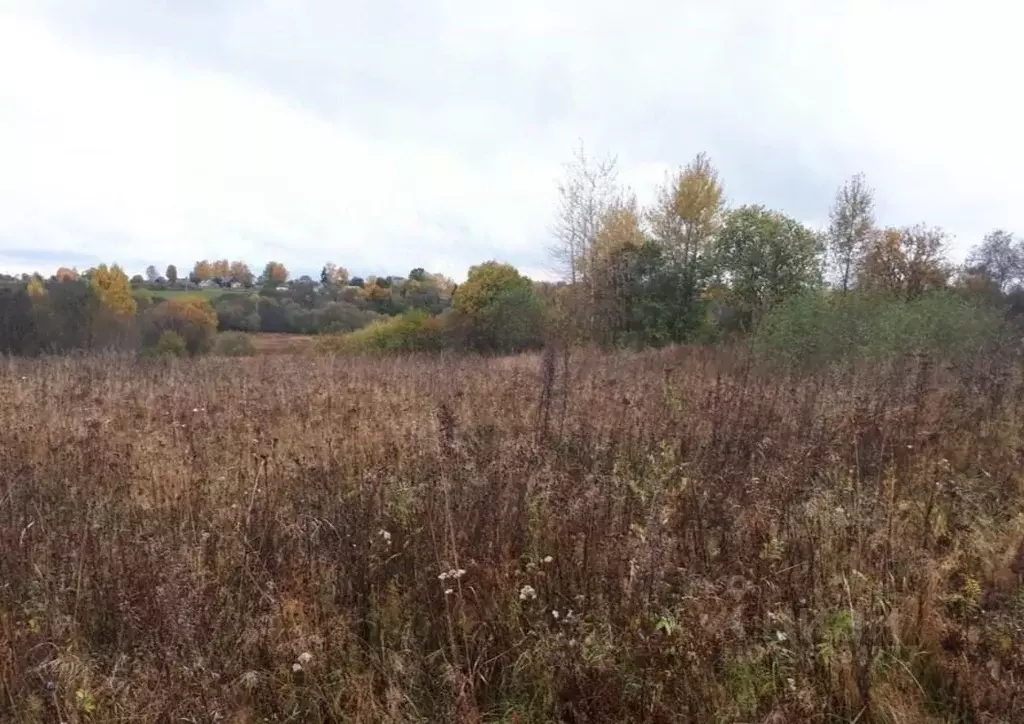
[{"x": 667, "y": 536}]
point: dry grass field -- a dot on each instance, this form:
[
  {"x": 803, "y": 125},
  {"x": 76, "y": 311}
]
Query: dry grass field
[
  {"x": 659, "y": 537},
  {"x": 267, "y": 343}
]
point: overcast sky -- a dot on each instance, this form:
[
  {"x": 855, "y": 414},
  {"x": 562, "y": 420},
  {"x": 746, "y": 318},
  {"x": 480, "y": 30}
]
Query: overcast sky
[{"x": 392, "y": 134}]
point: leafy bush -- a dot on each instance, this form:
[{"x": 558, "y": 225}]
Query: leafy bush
[
  {"x": 234, "y": 344},
  {"x": 170, "y": 344},
  {"x": 414, "y": 331},
  {"x": 814, "y": 328},
  {"x": 238, "y": 312},
  {"x": 190, "y": 317}
]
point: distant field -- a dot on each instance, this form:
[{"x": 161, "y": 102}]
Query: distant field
[
  {"x": 267, "y": 343},
  {"x": 206, "y": 293}
]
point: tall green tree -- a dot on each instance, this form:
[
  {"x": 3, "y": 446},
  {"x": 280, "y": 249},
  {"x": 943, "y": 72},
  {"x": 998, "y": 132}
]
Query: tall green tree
[
  {"x": 999, "y": 258},
  {"x": 765, "y": 257},
  {"x": 496, "y": 309},
  {"x": 685, "y": 221}
]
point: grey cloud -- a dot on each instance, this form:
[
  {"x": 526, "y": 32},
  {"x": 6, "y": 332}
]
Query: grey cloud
[{"x": 770, "y": 95}]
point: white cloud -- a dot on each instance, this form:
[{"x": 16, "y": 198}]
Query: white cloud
[{"x": 433, "y": 135}]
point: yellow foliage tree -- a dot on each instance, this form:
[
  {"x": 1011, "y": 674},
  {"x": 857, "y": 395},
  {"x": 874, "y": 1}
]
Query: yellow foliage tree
[
  {"x": 113, "y": 289},
  {"x": 202, "y": 271},
  {"x": 689, "y": 210},
  {"x": 66, "y": 275},
  {"x": 35, "y": 288},
  {"x": 373, "y": 292}
]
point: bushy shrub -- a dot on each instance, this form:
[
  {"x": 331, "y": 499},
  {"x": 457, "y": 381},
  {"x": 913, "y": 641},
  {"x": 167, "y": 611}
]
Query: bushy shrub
[
  {"x": 816, "y": 328},
  {"x": 238, "y": 312},
  {"x": 192, "y": 318},
  {"x": 341, "y": 317},
  {"x": 414, "y": 331},
  {"x": 234, "y": 344},
  {"x": 170, "y": 344}
]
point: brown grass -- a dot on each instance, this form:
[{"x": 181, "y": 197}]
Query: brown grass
[
  {"x": 268, "y": 343},
  {"x": 261, "y": 540}
]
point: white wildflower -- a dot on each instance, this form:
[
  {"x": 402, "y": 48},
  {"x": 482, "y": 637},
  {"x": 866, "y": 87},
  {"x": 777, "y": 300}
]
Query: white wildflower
[
  {"x": 554, "y": 615},
  {"x": 454, "y": 574},
  {"x": 296, "y": 667},
  {"x": 527, "y": 593},
  {"x": 448, "y": 591},
  {"x": 548, "y": 559},
  {"x": 305, "y": 657},
  {"x": 385, "y": 535}
]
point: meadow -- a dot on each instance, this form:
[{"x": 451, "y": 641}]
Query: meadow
[{"x": 666, "y": 536}]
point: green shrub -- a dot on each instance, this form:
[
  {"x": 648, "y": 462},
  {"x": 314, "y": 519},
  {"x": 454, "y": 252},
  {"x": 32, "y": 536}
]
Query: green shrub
[
  {"x": 234, "y": 344},
  {"x": 192, "y": 319},
  {"x": 414, "y": 331},
  {"x": 815, "y": 328},
  {"x": 170, "y": 344}
]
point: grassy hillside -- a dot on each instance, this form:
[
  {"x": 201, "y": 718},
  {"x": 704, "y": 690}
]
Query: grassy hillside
[
  {"x": 211, "y": 293},
  {"x": 658, "y": 537}
]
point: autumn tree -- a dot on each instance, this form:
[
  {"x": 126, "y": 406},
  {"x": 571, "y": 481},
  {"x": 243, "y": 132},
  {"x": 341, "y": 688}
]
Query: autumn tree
[
  {"x": 275, "y": 273},
  {"x": 113, "y": 290},
  {"x": 221, "y": 269},
  {"x": 171, "y": 274},
  {"x": 240, "y": 272},
  {"x": 905, "y": 262},
  {"x": 333, "y": 275},
  {"x": 191, "y": 317},
  {"x": 611, "y": 270},
  {"x": 66, "y": 275},
  {"x": 202, "y": 271},
  {"x": 765, "y": 257},
  {"x": 496, "y": 309},
  {"x": 684, "y": 221},
  {"x": 852, "y": 222},
  {"x": 688, "y": 211}
]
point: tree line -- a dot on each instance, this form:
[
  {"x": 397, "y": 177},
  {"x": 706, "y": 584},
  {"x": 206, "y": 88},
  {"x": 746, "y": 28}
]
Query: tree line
[{"x": 685, "y": 268}]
